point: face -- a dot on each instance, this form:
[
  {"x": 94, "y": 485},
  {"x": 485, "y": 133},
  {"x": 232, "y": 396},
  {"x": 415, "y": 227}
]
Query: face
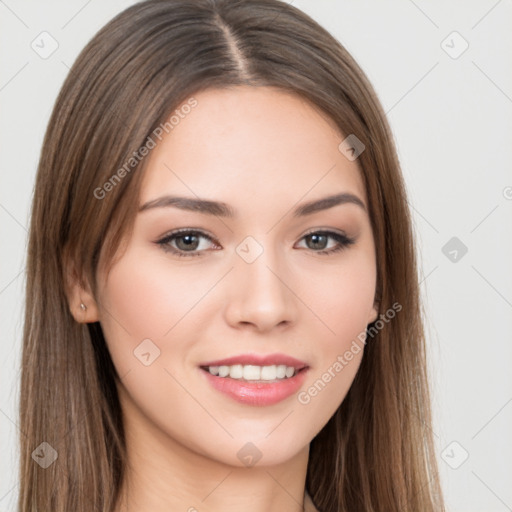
[{"x": 258, "y": 287}]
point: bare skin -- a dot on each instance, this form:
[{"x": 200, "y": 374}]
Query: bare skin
[{"x": 263, "y": 152}]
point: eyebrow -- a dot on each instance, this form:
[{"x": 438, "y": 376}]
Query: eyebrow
[{"x": 224, "y": 210}]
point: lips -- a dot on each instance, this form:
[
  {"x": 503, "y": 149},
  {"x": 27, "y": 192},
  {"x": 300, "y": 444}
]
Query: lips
[
  {"x": 258, "y": 360},
  {"x": 261, "y": 392}
]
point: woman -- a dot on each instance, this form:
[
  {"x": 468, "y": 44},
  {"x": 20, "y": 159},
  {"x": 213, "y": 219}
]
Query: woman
[{"x": 222, "y": 299}]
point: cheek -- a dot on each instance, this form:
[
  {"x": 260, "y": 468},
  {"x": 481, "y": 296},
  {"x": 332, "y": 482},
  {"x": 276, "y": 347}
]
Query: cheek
[
  {"x": 343, "y": 303},
  {"x": 342, "y": 297},
  {"x": 146, "y": 300},
  {"x": 148, "y": 297}
]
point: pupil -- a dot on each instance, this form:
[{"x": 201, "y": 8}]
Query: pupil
[
  {"x": 190, "y": 241},
  {"x": 315, "y": 240}
]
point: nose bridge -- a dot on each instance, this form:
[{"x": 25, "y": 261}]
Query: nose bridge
[{"x": 259, "y": 294}]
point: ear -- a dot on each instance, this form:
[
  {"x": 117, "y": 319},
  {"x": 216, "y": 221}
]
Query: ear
[
  {"x": 81, "y": 301},
  {"x": 374, "y": 313}
]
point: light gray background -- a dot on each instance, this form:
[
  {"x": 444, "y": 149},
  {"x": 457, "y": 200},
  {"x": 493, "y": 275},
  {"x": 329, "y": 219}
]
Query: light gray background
[{"x": 452, "y": 120}]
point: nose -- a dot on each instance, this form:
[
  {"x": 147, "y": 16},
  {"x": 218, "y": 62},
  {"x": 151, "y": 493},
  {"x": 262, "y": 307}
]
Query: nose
[{"x": 261, "y": 294}]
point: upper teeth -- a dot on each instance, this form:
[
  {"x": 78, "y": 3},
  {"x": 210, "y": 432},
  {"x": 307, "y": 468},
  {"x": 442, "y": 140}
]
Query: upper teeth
[{"x": 252, "y": 372}]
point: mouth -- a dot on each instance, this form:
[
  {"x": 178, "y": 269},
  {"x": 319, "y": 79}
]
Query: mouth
[
  {"x": 254, "y": 379},
  {"x": 253, "y": 373},
  {"x": 255, "y": 367}
]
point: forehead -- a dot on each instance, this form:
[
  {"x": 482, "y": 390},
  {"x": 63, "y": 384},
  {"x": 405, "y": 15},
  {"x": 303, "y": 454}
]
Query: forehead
[{"x": 250, "y": 142}]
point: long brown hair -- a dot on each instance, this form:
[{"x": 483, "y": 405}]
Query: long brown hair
[{"x": 376, "y": 452}]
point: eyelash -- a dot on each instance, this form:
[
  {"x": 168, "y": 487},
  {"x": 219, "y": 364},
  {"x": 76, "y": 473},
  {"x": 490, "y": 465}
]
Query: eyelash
[{"x": 343, "y": 241}]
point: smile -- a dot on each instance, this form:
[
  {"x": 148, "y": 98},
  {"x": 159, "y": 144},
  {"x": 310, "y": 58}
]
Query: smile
[
  {"x": 254, "y": 380},
  {"x": 252, "y": 372}
]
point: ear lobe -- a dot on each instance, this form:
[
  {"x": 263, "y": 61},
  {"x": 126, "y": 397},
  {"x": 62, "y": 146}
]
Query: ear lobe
[
  {"x": 82, "y": 304},
  {"x": 374, "y": 313}
]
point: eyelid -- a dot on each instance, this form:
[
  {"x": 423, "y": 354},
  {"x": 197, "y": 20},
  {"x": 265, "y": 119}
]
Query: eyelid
[{"x": 324, "y": 230}]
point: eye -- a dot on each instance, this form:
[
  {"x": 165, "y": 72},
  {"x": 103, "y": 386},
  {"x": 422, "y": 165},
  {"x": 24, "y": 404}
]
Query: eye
[
  {"x": 319, "y": 240},
  {"x": 187, "y": 242}
]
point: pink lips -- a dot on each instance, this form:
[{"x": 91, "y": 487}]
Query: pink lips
[
  {"x": 260, "y": 393},
  {"x": 258, "y": 360}
]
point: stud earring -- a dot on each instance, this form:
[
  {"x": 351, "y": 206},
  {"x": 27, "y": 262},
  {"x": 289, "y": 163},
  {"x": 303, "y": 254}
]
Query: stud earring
[{"x": 83, "y": 307}]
